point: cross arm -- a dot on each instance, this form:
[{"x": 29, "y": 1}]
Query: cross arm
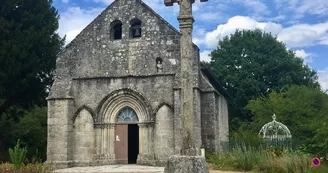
[{"x": 171, "y": 2}]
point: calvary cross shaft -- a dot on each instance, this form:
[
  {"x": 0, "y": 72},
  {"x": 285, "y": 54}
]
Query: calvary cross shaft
[{"x": 189, "y": 139}]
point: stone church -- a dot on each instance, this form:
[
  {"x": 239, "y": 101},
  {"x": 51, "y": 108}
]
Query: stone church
[{"x": 116, "y": 94}]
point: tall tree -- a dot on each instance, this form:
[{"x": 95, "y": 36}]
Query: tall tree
[
  {"x": 253, "y": 63},
  {"x": 28, "y": 47}
]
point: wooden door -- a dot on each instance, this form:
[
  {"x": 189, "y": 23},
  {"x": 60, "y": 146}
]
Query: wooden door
[{"x": 121, "y": 144}]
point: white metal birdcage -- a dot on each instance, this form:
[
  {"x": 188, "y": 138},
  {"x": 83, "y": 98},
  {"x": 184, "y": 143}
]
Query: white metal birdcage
[{"x": 275, "y": 132}]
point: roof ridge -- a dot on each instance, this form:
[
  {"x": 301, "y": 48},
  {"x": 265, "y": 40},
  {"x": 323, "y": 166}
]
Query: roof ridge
[
  {"x": 67, "y": 46},
  {"x": 107, "y": 8},
  {"x": 159, "y": 16}
]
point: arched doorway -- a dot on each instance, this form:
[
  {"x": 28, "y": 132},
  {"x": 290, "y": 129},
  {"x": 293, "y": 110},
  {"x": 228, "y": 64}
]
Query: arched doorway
[
  {"x": 127, "y": 136},
  {"x": 110, "y": 109}
]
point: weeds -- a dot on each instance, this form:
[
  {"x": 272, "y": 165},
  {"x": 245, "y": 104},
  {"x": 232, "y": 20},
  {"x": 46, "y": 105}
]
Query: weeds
[
  {"x": 29, "y": 168},
  {"x": 270, "y": 160}
]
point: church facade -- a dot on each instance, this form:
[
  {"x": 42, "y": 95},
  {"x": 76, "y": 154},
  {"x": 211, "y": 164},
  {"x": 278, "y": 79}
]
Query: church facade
[{"x": 116, "y": 94}]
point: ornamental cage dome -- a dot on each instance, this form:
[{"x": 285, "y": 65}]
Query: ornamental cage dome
[{"x": 275, "y": 132}]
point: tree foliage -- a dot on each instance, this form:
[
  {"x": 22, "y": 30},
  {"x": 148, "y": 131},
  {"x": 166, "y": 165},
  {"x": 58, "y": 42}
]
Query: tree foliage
[
  {"x": 28, "y": 48},
  {"x": 254, "y": 63},
  {"x": 302, "y": 109},
  {"x": 32, "y": 130}
]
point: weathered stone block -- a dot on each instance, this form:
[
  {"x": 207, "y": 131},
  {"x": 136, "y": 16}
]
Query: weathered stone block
[{"x": 186, "y": 164}]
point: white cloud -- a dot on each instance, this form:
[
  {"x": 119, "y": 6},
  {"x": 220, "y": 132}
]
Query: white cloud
[
  {"x": 204, "y": 56},
  {"x": 198, "y": 35},
  {"x": 323, "y": 79},
  {"x": 74, "y": 20},
  {"x": 258, "y": 7},
  {"x": 107, "y": 2},
  {"x": 299, "y": 35},
  {"x": 307, "y": 57},
  {"x": 302, "y": 35},
  {"x": 238, "y": 22},
  {"x": 211, "y": 16},
  {"x": 198, "y": 40},
  {"x": 300, "y": 8},
  {"x": 277, "y": 18}
]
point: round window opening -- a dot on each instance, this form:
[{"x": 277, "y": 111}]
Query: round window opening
[{"x": 127, "y": 115}]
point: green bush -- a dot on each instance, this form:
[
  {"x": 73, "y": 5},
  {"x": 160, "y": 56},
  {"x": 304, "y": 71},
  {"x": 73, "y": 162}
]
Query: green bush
[{"x": 17, "y": 155}]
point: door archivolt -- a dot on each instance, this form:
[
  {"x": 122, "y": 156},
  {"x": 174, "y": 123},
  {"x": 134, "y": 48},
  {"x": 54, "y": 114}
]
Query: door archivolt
[{"x": 115, "y": 103}]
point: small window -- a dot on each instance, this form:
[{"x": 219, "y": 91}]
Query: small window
[
  {"x": 159, "y": 65},
  {"x": 116, "y": 30},
  {"x": 135, "y": 28}
]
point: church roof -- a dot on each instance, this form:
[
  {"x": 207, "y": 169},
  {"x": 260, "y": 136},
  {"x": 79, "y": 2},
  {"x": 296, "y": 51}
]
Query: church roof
[{"x": 216, "y": 83}]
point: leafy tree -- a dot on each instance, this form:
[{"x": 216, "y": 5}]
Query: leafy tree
[
  {"x": 28, "y": 48},
  {"x": 32, "y": 130},
  {"x": 254, "y": 63},
  {"x": 302, "y": 109}
]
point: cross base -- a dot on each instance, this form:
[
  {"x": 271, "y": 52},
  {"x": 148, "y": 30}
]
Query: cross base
[{"x": 186, "y": 164}]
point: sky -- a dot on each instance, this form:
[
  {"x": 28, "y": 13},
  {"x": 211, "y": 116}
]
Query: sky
[{"x": 301, "y": 24}]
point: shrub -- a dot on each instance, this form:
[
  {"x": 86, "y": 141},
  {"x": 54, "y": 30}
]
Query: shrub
[{"x": 17, "y": 155}]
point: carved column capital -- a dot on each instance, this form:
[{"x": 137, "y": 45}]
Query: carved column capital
[
  {"x": 112, "y": 126},
  {"x": 143, "y": 125}
]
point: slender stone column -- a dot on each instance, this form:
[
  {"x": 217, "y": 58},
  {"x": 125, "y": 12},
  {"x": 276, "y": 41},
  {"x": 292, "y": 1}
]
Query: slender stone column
[
  {"x": 145, "y": 156},
  {"x": 190, "y": 161},
  {"x": 112, "y": 142},
  {"x": 187, "y": 115},
  {"x": 143, "y": 138},
  {"x": 186, "y": 21}
]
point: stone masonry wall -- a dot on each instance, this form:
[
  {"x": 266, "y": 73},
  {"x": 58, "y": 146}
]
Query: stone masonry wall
[
  {"x": 197, "y": 117},
  {"x": 94, "y": 54},
  {"x": 59, "y": 143},
  {"x": 163, "y": 135},
  {"x": 223, "y": 124},
  {"x": 84, "y": 139},
  {"x": 209, "y": 121},
  {"x": 91, "y": 92}
]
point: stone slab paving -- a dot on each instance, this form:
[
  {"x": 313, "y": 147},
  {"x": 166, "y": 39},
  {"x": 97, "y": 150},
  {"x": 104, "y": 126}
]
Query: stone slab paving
[
  {"x": 113, "y": 169},
  {"x": 121, "y": 169}
]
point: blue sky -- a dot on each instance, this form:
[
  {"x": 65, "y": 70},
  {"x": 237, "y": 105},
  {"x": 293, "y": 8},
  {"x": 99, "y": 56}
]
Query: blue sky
[{"x": 301, "y": 24}]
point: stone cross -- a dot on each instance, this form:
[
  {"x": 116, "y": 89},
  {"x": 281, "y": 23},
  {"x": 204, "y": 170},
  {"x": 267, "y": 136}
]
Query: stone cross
[{"x": 186, "y": 21}]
